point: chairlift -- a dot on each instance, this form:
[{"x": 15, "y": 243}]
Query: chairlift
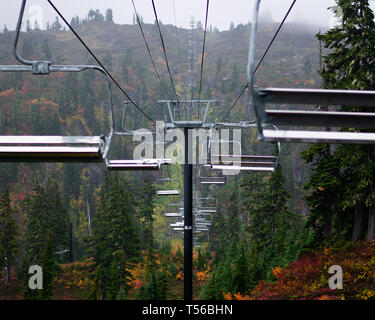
[
  {"x": 240, "y": 162},
  {"x": 302, "y": 118},
  {"x": 177, "y": 224},
  {"x": 171, "y": 210},
  {"x": 28, "y": 148},
  {"x": 201, "y": 229},
  {"x": 204, "y": 210},
  {"x": 128, "y": 164},
  {"x": 173, "y": 215},
  {"x": 204, "y": 224},
  {"x": 168, "y": 192},
  {"x": 178, "y": 229},
  {"x": 216, "y": 179}
]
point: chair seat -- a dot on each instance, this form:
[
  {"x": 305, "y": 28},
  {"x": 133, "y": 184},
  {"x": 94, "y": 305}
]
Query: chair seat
[
  {"x": 319, "y": 136},
  {"x": 143, "y": 164},
  {"x": 51, "y": 148},
  {"x": 168, "y": 192},
  {"x": 241, "y": 168}
]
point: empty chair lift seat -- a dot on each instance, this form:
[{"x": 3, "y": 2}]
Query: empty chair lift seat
[
  {"x": 51, "y": 148},
  {"x": 173, "y": 215},
  {"x": 168, "y": 192},
  {"x": 143, "y": 164},
  {"x": 244, "y": 162},
  {"x": 323, "y": 97}
]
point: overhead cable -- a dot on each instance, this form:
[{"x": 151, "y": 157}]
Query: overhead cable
[{"x": 99, "y": 62}]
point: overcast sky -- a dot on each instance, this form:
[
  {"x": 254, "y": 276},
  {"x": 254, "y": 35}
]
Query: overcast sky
[{"x": 221, "y": 14}]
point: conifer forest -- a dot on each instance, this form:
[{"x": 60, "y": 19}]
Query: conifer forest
[{"x": 97, "y": 201}]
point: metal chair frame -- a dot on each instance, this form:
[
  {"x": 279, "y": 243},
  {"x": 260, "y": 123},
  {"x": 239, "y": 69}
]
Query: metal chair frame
[
  {"x": 240, "y": 162},
  {"x": 321, "y": 97},
  {"x": 53, "y": 148},
  {"x": 128, "y": 164}
]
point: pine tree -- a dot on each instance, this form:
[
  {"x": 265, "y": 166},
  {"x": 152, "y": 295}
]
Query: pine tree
[
  {"x": 46, "y": 52},
  {"x": 350, "y": 64},
  {"x": 59, "y": 216},
  {"x": 146, "y": 213},
  {"x": 47, "y": 264},
  {"x": 241, "y": 281},
  {"x": 28, "y": 27},
  {"x": 8, "y": 235},
  {"x": 116, "y": 239},
  {"x": 269, "y": 221},
  {"x": 109, "y": 16}
]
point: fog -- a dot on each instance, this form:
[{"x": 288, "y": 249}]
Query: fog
[{"x": 221, "y": 13}]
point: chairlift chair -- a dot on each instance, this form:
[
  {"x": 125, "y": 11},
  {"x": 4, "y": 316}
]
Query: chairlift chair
[
  {"x": 168, "y": 192},
  {"x": 28, "y": 148},
  {"x": 216, "y": 179},
  {"x": 302, "y": 118},
  {"x": 178, "y": 229},
  {"x": 171, "y": 210},
  {"x": 131, "y": 164},
  {"x": 177, "y": 224},
  {"x": 240, "y": 162},
  {"x": 207, "y": 210},
  {"x": 202, "y": 229},
  {"x": 173, "y": 215}
]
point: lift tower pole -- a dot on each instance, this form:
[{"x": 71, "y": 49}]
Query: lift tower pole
[
  {"x": 187, "y": 115},
  {"x": 188, "y": 219}
]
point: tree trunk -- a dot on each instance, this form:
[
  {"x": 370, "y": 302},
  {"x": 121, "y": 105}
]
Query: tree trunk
[
  {"x": 8, "y": 271},
  {"x": 327, "y": 229},
  {"x": 70, "y": 242},
  {"x": 88, "y": 215},
  {"x": 360, "y": 222},
  {"x": 371, "y": 224}
]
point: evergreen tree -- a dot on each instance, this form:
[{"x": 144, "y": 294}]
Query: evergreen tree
[
  {"x": 56, "y": 25},
  {"x": 59, "y": 217},
  {"x": 241, "y": 281},
  {"x": 47, "y": 264},
  {"x": 146, "y": 213},
  {"x": 348, "y": 65},
  {"x": 46, "y": 52},
  {"x": 269, "y": 222},
  {"x": 28, "y": 27},
  {"x": 109, "y": 16},
  {"x": 116, "y": 239}
]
